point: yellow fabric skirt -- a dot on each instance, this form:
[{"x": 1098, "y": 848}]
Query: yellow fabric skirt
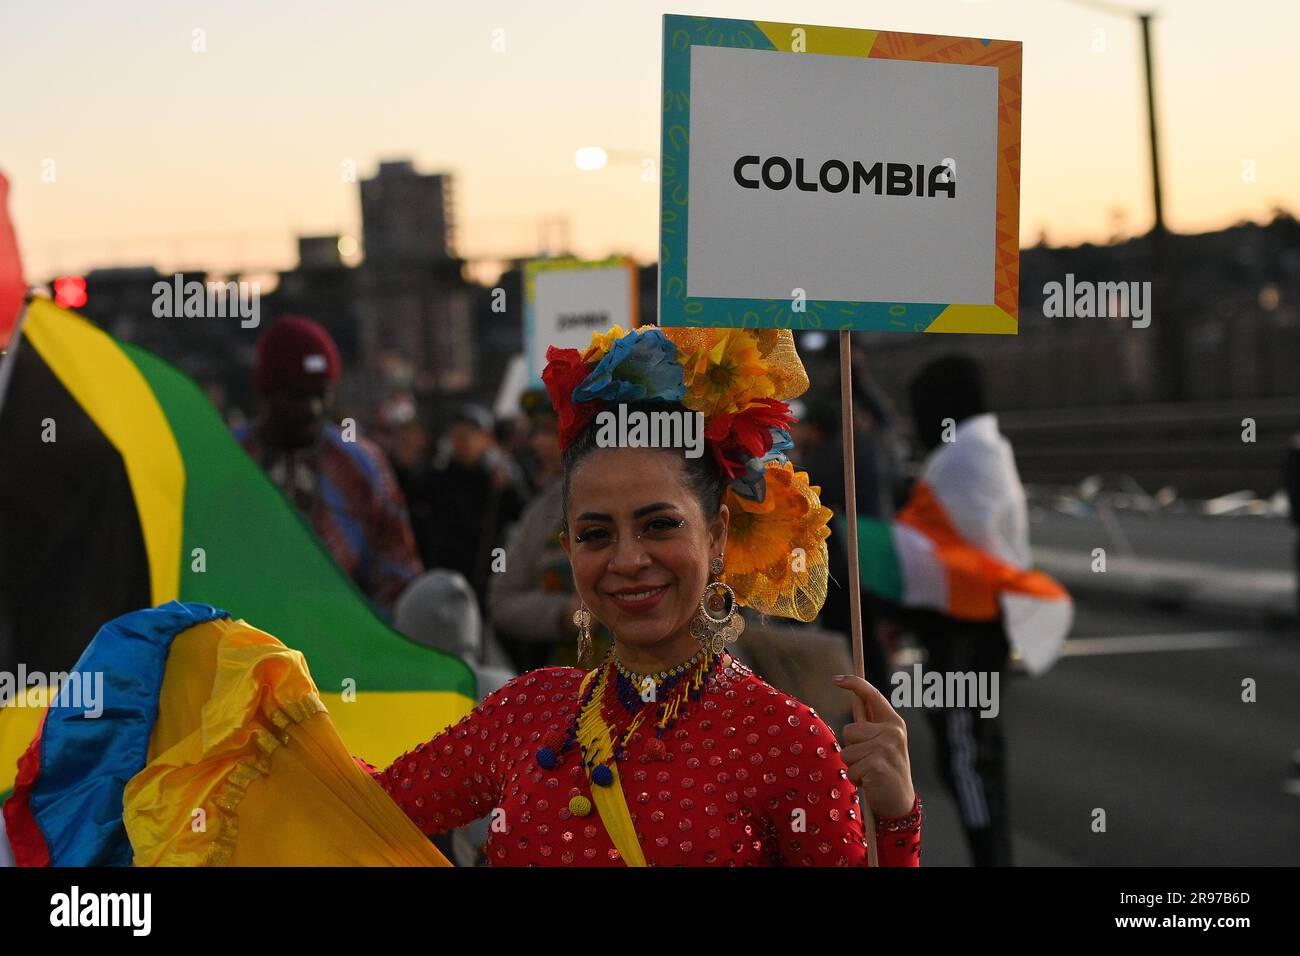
[{"x": 245, "y": 767}]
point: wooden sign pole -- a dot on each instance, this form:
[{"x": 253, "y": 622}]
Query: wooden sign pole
[{"x": 855, "y": 590}]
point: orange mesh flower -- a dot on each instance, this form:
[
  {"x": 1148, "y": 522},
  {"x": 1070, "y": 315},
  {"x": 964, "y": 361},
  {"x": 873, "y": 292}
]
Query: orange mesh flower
[{"x": 776, "y": 549}]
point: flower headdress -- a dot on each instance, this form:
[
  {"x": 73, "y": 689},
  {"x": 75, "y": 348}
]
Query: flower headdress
[{"x": 740, "y": 380}]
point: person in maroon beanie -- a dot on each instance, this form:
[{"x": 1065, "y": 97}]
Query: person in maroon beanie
[{"x": 340, "y": 481}]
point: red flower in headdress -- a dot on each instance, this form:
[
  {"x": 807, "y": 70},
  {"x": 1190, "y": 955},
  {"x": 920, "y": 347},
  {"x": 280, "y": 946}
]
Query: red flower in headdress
[
  {"x": 735, "y": 438},
  {"x": 564, "y": 372}
]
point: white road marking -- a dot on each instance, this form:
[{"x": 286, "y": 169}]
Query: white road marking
[{"x": 1149, "y": 643}]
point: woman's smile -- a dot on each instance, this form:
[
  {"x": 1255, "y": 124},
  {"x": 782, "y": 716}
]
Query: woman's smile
[{"x": 638, "y": 598}]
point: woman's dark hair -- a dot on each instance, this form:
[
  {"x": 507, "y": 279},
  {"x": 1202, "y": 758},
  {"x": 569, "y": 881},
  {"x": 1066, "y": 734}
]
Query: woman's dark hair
[{"x": 701, "y": 474}]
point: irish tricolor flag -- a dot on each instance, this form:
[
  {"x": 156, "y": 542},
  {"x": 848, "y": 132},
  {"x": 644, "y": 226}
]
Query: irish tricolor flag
[{"x": 960, "y": 546}]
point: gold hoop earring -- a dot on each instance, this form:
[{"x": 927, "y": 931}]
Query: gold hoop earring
[
  {"x": 582, "y": 618},
  {"x": 717, "y": 622}
]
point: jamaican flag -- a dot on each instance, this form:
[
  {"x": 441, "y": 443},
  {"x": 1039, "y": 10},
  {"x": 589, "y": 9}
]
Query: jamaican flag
[{"x": 121, "y": 488}]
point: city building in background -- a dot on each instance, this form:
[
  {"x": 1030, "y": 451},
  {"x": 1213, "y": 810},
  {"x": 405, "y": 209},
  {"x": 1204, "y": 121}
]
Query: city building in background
[
  {"x": 1076, "y": 393},
  {"x": 415, "y": 304}
]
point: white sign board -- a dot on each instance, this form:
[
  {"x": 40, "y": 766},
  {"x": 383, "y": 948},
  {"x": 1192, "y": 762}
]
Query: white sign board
[
  {"x": 816, "y": 127},
  {"x": 567, "y": 301}
]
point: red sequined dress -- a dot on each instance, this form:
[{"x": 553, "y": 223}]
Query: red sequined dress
[{"x": 746, "y": 776}]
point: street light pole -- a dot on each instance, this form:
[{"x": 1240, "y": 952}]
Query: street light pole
[
  {"x": 1168, "y": 361},
  {"x": 1151, "y": 123},
  {"x": 1165, "y": 358}
]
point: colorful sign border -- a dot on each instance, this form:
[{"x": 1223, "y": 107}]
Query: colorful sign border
[{"x": 677, "y": 309}]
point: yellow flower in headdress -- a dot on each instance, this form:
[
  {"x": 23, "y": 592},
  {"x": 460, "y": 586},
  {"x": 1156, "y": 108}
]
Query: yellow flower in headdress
[
  {"x": 776, "y": 558},
  {"x": 725, "y": 371},
  {"x": 783, "y": 364},
  {"x": 601, "y": 343}
]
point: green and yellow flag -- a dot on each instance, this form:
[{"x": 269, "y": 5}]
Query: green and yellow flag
[{"x": 121, "y": 488}]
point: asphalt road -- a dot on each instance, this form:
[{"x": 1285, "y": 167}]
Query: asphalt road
[
  {"x": 1241, "y": 543},
  {"x": 1144, "y": 719}
]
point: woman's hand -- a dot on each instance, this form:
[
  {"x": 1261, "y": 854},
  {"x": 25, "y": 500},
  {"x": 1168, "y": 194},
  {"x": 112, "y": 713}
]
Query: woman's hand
[{"x": 875, "y": 751}]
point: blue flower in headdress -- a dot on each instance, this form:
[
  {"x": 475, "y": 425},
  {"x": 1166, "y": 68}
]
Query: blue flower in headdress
[
  {"x": 782, "y": 441},
  {"x": 641, "y": 366},
  {"x": 753, "y": 483}
]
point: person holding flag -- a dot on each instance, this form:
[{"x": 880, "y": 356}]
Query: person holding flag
[{"x": 967, "y": 521}]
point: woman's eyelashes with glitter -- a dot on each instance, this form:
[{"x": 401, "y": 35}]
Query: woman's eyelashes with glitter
[{"x": 654, "y": 528}]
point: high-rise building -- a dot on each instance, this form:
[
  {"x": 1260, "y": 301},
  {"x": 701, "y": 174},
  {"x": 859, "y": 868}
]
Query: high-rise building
[
  {"x": 406, "y": 216},
  {"x": 416, "y": 321}
]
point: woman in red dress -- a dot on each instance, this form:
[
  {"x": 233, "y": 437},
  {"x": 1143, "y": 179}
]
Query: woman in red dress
[{"x": 672, "y": 752}]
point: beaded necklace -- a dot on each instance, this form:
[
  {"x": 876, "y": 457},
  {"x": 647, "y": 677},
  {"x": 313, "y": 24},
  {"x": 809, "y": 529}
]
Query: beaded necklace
[
  {"x": 632, "y": 688},
  {"x": 613, "y": 702}
]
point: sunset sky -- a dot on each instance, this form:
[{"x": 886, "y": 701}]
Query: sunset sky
[{"x": 171, "y": 157}]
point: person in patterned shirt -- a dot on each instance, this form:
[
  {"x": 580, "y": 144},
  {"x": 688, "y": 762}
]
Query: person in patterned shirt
[{"x": 342, "y": 483}]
